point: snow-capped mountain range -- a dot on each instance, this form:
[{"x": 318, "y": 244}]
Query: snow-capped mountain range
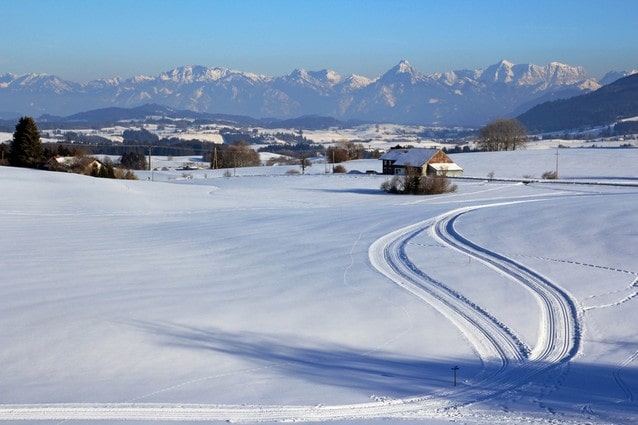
[{"x": 401, "y": 95}]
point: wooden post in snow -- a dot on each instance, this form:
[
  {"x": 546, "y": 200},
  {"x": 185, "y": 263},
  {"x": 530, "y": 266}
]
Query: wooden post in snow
[{"x": 454, "y": 369}]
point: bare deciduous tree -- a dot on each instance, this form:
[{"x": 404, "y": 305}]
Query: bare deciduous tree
[
  {"x": 238, "y": 154},
  {"x": 502, "y": 134},
  {"x": 344, "y": 151}
]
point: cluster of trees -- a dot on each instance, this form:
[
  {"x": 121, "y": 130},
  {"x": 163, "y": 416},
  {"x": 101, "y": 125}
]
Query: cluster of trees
[
  {"x": 254, "y": 137},
  {"x": 133, "y": 161},
  {"x": 86, "y": 139},
  {"x": 294, "y": 149},
  {"x": 142, "y": 136},
  {"x": 230, "y": 136},
  {"x": 58, "y": 149},
  {"x": 502, "y": 134},
  {"x": 415, "y": 183},
  {"x": 345, "y": 151},
  {"x": 626, "y": 127},
  {"x": 138, "y": 140},
  {"x": 235, "y": 155}
]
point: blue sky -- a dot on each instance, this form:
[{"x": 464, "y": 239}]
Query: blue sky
[{"x": 80, "y": 40}]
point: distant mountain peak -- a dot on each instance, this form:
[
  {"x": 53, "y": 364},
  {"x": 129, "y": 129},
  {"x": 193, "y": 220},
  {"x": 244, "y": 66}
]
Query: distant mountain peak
[
  {"x": 401, "y": 95},
  {"x": 403, "y": 72},
  {"x": 504, "y": 63},
  {"x": 404, "y": 67},
  {"x": 323, "y": 78},
  {"x": 192, "y": 73},
  {"x": 356, "y": 81},
  {"x": 501, "y": 72},
  {"x": 553, "y": 74},
  {"x": 328, "y": 75}
]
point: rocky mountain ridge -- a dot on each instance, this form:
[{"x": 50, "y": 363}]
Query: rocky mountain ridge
[{"x": 401, "y": 95}]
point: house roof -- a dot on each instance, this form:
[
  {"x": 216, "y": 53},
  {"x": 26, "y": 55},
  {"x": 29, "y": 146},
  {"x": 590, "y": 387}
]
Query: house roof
[
  {"x": 413, "y": 156},
  {"x": 71, "y": 160},
  {"x": 393, "y": 154},
  {"x": 445, "y": 166}
]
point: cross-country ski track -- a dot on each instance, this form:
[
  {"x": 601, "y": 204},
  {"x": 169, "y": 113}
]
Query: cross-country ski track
[{"x": 508, "y": 363}]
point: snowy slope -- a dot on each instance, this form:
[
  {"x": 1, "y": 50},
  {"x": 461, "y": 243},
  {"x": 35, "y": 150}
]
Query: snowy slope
[{"x": 271, "y": 297}]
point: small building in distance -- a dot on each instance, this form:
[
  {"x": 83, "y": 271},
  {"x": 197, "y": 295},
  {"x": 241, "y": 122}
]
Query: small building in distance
[
  {"x": 431, "y": 162},
  {"x": 75, "y": 164}
]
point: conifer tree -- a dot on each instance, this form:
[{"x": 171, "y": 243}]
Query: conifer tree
[{"x": 26, "y": 148}]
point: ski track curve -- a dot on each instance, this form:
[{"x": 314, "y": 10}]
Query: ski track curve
[
  {"x": 560, "y": 333},
  {"x": 508, "y": 362},
  {"x": 495, "y": 345}
]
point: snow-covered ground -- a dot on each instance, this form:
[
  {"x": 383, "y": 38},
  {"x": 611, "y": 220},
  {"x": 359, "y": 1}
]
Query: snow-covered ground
[{"x": 270, "y": 297}]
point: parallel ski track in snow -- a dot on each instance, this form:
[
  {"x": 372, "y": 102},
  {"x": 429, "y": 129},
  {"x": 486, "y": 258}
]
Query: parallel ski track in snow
[
  {"x": 494, "y": 343},
  {"x": 559, "y": 338},
  {"x": 626, "y": 389},
  {"x": 508, "y": 362}
]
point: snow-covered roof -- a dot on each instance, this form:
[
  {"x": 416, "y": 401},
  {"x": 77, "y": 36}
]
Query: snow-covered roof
[
  {"x": 70, "y": 160},
  {"x": 445, "y": 166},
  {"x": 411, "y": 156},
  {"x": 392, "y": 154}
]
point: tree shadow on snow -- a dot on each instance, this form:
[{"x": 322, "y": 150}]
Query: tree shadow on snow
[
  {"x": 357, "y": 191},
  {"x": 608, "y": 392},
  {"x": 373, "y": 373}
]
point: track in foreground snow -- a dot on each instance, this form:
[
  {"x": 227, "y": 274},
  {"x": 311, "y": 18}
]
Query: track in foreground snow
[
  {"x": 559, "y": 338},
  {"x": 508, "y": 362}
]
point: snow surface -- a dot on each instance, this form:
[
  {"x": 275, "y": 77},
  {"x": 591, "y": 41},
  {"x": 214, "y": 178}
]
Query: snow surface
[{"x": 270, "y": 297}]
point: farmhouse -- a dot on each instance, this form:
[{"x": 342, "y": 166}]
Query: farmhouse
[
  {"x": 81, "y": 165},
  {"x": 424, "y": 161}
]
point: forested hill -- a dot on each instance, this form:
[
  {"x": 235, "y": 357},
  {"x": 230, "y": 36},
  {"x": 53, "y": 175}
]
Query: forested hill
[{"x": 604, "y": 106}]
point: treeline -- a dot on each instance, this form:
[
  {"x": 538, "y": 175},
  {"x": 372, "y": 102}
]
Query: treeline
[
  {"x": 625, "y": 127},
  {"x": 295, "y": 149},
  {"x": 253, "y": 137},
  {"x": 165, "y": 147}
]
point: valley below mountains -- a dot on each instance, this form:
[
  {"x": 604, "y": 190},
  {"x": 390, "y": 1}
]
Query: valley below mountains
[{"x": 402, "y": 95}]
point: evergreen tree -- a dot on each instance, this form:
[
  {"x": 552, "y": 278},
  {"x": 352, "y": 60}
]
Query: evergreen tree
[
  {"x": 133, "y": 160},
  {"x": 26, "y": 148}
]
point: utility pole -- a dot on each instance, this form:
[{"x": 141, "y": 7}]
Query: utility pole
[
  {"x": 557, "y": 162},
  {"x": 215, "y": 164},
  {"x": 149, "y": 161},
  {"x": 454, "y": 369},
  {"x": 333, "y": 161}
]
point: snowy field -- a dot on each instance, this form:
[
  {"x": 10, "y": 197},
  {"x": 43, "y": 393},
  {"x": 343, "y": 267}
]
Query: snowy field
[{"x": 268, "y": 297}]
